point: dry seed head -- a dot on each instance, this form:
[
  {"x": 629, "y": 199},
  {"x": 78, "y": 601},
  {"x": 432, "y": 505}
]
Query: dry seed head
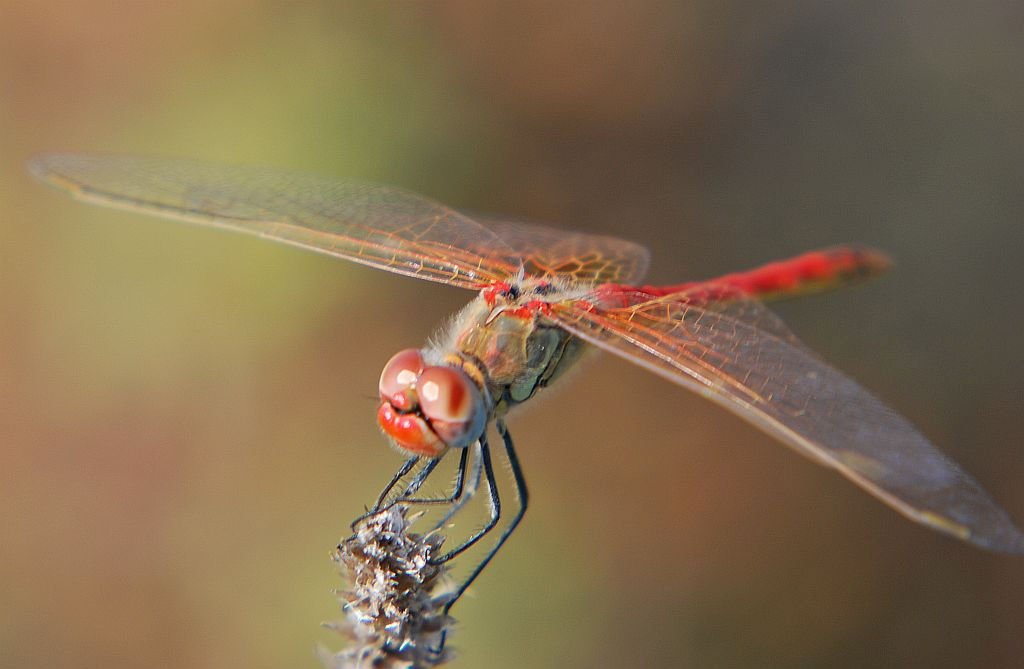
[{"x": 392, "y": 612}]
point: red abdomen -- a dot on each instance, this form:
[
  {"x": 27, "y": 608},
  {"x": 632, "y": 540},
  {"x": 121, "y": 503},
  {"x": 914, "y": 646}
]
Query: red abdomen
[{"x": 810, "y": 272}]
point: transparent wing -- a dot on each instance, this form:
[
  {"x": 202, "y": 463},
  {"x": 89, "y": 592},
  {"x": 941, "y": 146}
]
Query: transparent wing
[
  {"x": 738, "y": 354},
  {"x": 383, "y": 227},
  {"x": 550, "y": 252},
  {"x": 387, "y": 228}
]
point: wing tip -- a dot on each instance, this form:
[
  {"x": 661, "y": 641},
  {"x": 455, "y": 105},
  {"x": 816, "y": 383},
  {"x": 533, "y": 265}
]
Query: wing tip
[
  {"x": 39, "y": 165},
  {"x": 1009, "y": 541},
  {"x": 43, "y": 166}
]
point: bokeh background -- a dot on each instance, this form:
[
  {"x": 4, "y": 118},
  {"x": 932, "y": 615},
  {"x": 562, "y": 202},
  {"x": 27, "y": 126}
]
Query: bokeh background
[{"x": 186, "y": 416}]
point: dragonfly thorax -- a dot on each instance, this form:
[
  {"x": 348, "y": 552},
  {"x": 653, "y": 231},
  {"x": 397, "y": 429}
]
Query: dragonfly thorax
[{"x": 505, "y": 334}]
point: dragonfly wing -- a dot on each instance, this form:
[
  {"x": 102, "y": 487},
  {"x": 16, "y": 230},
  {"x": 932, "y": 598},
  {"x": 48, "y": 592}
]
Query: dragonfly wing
[
  {"x": 741, "y": 356},
  {"x": 383, "y": 227},
  {"x": 580, "y": 258}
]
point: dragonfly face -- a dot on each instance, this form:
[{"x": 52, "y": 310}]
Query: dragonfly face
[{"x": 427, "y": 409}]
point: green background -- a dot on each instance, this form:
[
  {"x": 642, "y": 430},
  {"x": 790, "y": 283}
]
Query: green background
[{"x": 187, "y": 416}]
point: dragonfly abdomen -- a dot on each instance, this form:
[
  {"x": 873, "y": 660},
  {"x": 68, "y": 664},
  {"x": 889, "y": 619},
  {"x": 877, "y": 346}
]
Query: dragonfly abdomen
[{"x": 811, "y": 272}]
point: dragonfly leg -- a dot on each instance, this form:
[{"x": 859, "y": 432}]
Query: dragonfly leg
[
  {"x": 417, "y": 481},
  {"x": 494, "y": 502},
  {"x": 399, "y": 475},
  {"x": 472, "y": 484},
  {"x": 406, "y": 497},
  {"x": 458, "y": 488},
  {"x": 523, "y": 497}
]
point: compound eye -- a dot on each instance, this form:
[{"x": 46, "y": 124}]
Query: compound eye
[
  {"x": 400, "y": 374},
  {"x": 452, "y": 403},
  {"x": 445, "y": 394}
]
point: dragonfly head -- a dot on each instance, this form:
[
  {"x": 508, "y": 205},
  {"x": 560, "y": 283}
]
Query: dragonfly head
[{"x": 427, "y": 409}]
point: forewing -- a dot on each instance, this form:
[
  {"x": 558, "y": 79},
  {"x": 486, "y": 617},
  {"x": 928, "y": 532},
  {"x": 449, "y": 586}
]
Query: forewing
[
  {"x": 741, "y": 356},
  {"x": 387, "y": 228},
  {"x": 551, "y": 252}
]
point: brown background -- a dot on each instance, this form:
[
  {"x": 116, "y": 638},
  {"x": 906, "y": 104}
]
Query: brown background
[{"x": 186, "y": 416}]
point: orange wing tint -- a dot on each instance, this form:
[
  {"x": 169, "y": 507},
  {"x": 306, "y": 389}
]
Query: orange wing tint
[
  {"x": 550, "y": 253},
  {"x": 741, "y": 356},
  {"x": 387, "y": 228}
]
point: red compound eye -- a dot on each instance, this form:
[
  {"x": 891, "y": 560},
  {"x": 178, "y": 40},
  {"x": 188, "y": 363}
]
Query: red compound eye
[
  {"x": 452, "y": 403},
  {"x": 399, "y": 378}
]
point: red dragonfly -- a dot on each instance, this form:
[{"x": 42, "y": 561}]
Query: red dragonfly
[{"x": 542, "y": 295}]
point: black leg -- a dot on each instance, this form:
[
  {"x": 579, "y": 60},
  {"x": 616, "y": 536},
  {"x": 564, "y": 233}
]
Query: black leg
[
  {"x": 522, "y": 495},
  {"x": 460, "y": 478},
  {"x": 419, "y": 479},
  {"x": 495, "y": 503},
  {"x": 524, "y": 499},
  {"x": 472, "y": 484},
  {"x": 402, "y": 471},
  {"x": 417, "y": 483}
]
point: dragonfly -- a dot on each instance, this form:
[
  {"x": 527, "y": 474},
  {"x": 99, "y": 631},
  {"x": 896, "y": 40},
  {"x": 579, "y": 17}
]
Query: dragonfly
[{"x": 543, "y": 296}]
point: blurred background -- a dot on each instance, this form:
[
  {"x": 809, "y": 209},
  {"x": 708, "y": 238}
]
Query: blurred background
[{"x": 187, "y": 416}]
